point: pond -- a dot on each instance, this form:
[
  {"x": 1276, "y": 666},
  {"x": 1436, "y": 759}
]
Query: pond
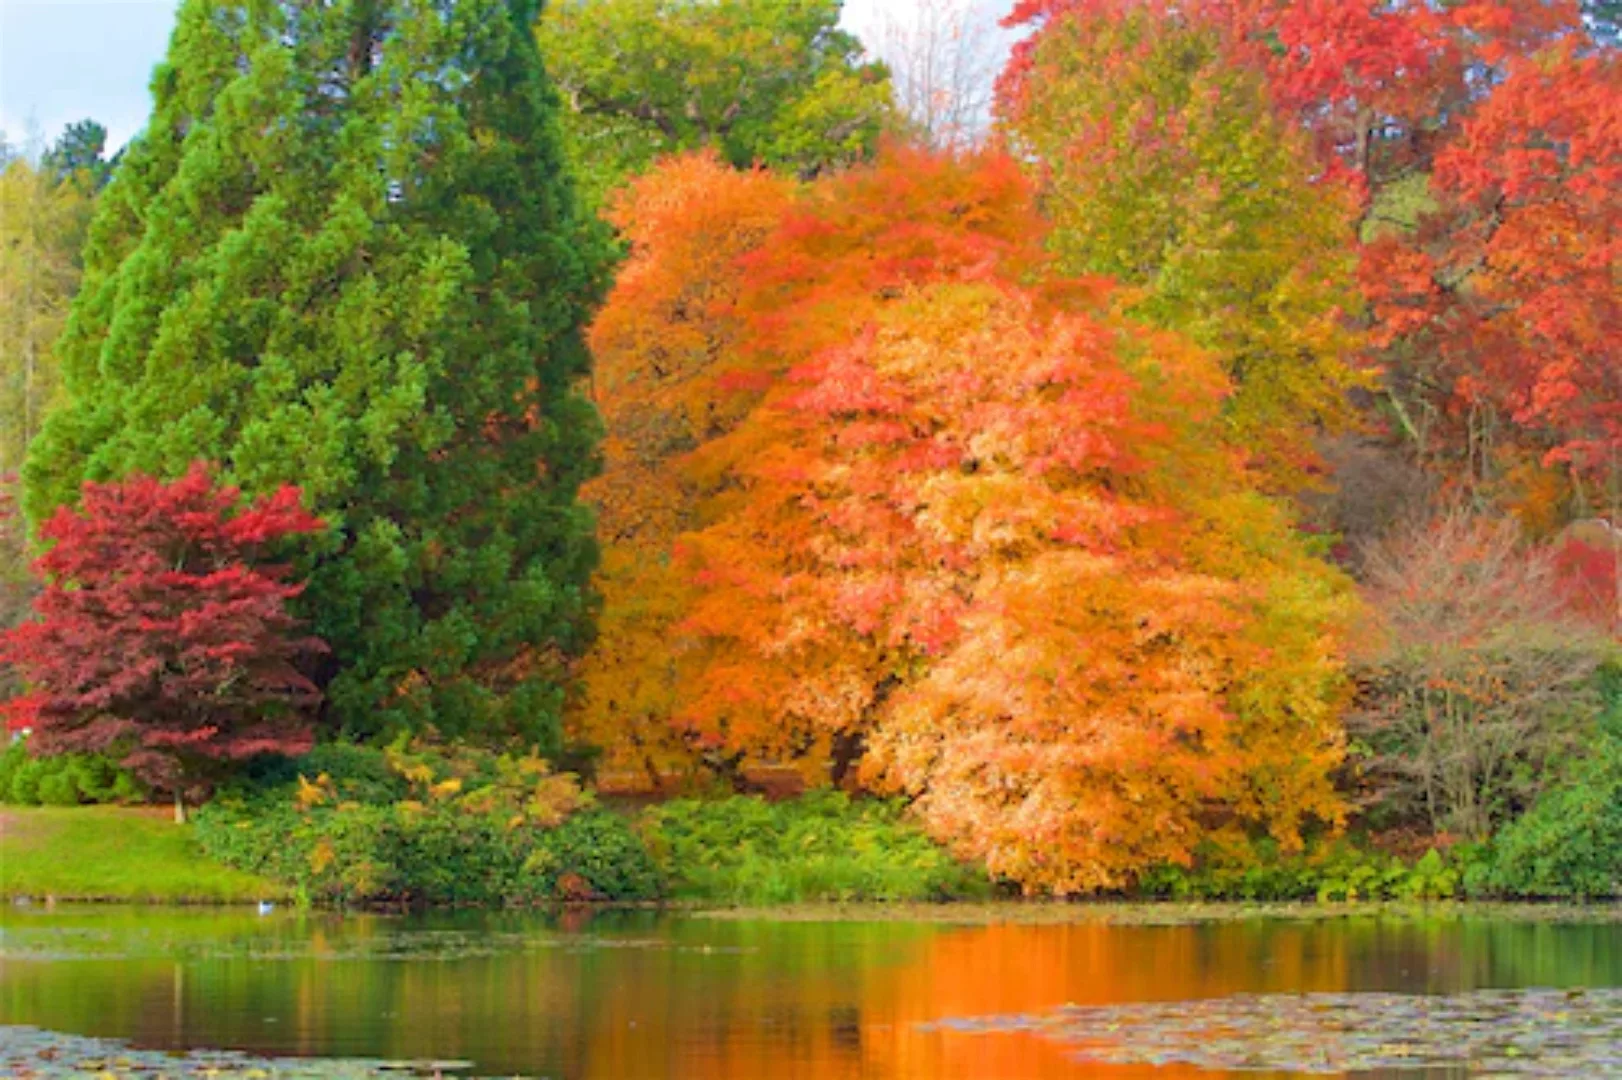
[{"x": 1119, "y": 995}]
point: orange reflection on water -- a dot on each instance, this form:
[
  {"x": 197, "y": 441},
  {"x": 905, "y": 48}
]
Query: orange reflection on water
[{"x": 645, "y": 996}]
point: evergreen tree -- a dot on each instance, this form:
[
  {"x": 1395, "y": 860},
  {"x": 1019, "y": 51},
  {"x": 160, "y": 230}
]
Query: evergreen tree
[
  {"x": 1604, "y": 21},
  {"x": 345, "y": 254},
  {"x": 80, "y": 153}
]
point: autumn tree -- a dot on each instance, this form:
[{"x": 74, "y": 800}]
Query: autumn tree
[
  {"x": 940, "y": 454},
  {"x": 967, "y": 554},
  {"x": 1476, "y": 674},
  {"x": 845, "y": 252},
  {"x": 1388, "y": 94},
  {"x": 778, "y": 84},
  {"x": 1164, "y": 164},
  {"x": 667, "y": 380},
  {"x": 345, "y": 253},
  {"x": 1375, "y": 84},
  {"x": 1506, "y": 292},
  {"x": 944, "y": 56},
  {"x": 162, "y": 636}
]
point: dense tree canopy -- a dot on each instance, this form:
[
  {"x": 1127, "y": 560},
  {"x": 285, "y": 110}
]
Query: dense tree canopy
[
  {"x": 774, "y": 82},
  {"x": 1164, "y": 166},
  {"x": 344, "y": 253},
  {"x": 667, "y": 383},
  {"x": 1509, "y": 288},
  {"x": 935, "y": 461},
  {"x": 972, "y": 473},
  {"x": 162, "y": 636}
]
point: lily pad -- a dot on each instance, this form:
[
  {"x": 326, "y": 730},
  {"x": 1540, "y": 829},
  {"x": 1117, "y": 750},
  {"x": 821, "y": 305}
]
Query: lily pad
[
  {"x": 28, "y": 1053},
  {"x": 1532, "y": 1033}
]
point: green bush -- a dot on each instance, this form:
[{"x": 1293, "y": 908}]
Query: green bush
[
  {"x": 422, "y": 825},
  {"x": 359, "y": 855},
  {"x": 601, "y": 849},
  {"x": 1335, "y": 871},
  {"x": 823, "y": 846},
  {"x": 58, "y": 788},
  {"x": 1569, "y": 845},
  {"x": 359, "y": 773},
  {"x": 65, "y": 780}
]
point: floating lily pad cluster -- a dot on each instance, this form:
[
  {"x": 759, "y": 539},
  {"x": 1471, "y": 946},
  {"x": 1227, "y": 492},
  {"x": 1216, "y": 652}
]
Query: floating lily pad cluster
[
  {"x": 31, "y": 1054},
  {"x": 1507, "y": 1033}
]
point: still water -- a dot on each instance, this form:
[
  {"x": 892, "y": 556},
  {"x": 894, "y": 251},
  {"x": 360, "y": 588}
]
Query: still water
[{"x": 629, "y": 995}]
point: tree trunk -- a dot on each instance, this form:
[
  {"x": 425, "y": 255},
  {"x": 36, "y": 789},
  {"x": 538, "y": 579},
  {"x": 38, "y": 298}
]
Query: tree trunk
[
  {"x": 847, "y": 751},
  {"x": 180, "y": 808}
]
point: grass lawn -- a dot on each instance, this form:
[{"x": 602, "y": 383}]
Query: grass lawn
[{"x": 114, "y": 853}]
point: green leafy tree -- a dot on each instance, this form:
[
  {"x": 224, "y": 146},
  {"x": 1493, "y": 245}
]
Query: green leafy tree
[
  {"x": 345, "y": 254},
  {"x": 42, "y": 225},
  {"x": 772, "y": 81}
]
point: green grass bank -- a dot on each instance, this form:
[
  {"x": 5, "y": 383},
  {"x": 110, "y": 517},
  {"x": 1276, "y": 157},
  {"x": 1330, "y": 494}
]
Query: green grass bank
[{"x": 112, "y": 853}]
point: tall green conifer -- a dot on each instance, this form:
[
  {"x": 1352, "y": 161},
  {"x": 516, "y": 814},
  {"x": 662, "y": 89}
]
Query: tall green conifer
[{"x": 344, "y": 254}]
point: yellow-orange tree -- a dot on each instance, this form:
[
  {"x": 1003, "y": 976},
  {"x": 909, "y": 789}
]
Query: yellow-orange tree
[
  {"x": 667, "y": 381},
  {"x": 989, "y": 541},
  {"x": 1164, "y": 164}
]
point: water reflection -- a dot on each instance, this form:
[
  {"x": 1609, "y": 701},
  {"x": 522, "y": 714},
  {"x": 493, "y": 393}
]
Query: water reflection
[{"x": 629, "y": 995}]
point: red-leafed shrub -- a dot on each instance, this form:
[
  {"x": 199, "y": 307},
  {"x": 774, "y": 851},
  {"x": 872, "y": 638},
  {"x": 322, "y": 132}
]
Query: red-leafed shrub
[
  {"x": 161, "y": 635},
  {"x": 1588, "y": 555}
]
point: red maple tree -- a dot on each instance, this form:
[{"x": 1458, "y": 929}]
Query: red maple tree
[
  {"x": 1511, "y": 285},
  {"x": 162, "y": 636}
]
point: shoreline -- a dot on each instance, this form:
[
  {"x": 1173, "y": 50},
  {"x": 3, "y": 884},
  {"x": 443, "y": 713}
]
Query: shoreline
[
  {"x": 106, "y": 856},
  {"x": 1013, "y": 912}
]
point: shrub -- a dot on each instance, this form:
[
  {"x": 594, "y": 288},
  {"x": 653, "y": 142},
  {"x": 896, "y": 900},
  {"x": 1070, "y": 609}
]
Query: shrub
[
  {"x": 357, "y": 855},
  {"x": 417, "y": 824},
  {"x": 163, "y": 631},
  {"x": 1569, "y": 845},
  {"x": 359, "y": 773},
  {"x": 822, "y": 846},
  {"x": 1332, "y": 871},
  {"x": 65, "y": 780},
  {"x": 1478, "y": 679}
]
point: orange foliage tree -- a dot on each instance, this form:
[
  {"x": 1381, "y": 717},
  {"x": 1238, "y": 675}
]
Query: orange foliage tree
[
  {"x": 666, "y": 381},
  {"x": 976, "y": 540}
]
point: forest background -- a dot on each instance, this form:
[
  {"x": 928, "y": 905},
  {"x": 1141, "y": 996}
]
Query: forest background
[{"x": 1191, "y": 467}]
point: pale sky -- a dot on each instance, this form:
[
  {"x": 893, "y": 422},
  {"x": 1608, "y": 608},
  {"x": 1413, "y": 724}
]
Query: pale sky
[{"x": 66, "y": 60}]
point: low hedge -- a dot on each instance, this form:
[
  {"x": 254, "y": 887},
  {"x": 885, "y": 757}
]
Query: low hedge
[
  {"x": 421, "y": 826},
  {"x": 822, "y": 846},
  {"x": 65, "y": 780}
]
